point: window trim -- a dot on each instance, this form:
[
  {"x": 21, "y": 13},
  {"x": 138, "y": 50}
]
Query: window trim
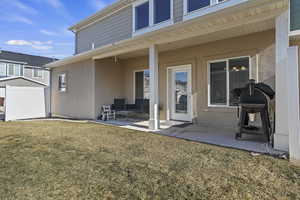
[
  {"x": 14, "y": 70},
  {"x": 66, "y": 87},
  {"x": 215, "y": 6},
  {"x": 37, "y": 76},
  {"x": 227, "y": 80},
  {"x": 152, "y": 26},
  {"x": 134, "y": 83}
]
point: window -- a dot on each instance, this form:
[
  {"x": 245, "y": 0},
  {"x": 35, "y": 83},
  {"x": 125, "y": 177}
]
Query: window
[
  {"x": 11, "y": 70},
  {"x": 197, "y": 4},
  {"x": 15, "y": 70},
  {"x": 142, "y": 84},
  {"x": 2, "y": 69},
  {"x": 142, "y": 16},
  {"x": 37, "y": 73},
  {"x": 150, "y": 15},
  {"x": 62, "y": 82},
  {"x": 162, "y": 10},
  {"x": 225, "y": 76}
]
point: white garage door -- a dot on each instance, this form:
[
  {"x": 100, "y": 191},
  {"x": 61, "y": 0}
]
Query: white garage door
[{"x": 25, "y": 103}]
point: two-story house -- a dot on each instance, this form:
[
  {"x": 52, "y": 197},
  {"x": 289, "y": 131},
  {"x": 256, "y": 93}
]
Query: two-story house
[
  {"x": 193, "y": 52},
  {"x": 29, "y": 68}
]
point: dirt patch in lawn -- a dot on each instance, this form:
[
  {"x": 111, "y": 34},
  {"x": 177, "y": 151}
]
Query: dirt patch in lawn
[{"x": 63, "y": 160}]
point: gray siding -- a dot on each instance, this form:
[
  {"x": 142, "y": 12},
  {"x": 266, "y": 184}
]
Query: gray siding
[
  {"x": 295, "y": 15},
  {"x": 177, "y": 10},
  {"x": 109, "y": 30},
  {"x": 28, "y": 73}
]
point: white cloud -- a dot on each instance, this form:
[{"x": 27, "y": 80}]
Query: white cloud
[
  {"x": 98, "y": 4},
  {"x": 20, "y": 6},
  {"x": 49, "y": 33},
  {"x": 55, "y": 3},
  {"x": 15, "y": 18},
  {"x": 41, "y": 47},
  {"x": 18, "y": 42},
  {"x": 34, "y": 44},
  {"x": 23, "y": 7}
]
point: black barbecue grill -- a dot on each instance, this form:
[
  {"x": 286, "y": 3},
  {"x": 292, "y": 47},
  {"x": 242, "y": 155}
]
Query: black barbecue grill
[{"x": 254, "y": 98}]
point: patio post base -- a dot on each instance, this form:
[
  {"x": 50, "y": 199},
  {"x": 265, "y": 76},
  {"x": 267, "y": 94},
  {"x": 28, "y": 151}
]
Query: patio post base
[{"x": 154, "y": 124}]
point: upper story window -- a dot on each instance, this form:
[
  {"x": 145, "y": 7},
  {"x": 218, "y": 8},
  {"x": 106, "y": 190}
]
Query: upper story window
[
  {"x": 37, "y": 73},
  {"x": 197, "y": 4},
  {"x": 195, "y": 8},
  {"x": 162, "y": 10},
  {"x": 14, "y": 70},
  {"x": 150, "y": 15},
  {"x": 142, "y": 16}
]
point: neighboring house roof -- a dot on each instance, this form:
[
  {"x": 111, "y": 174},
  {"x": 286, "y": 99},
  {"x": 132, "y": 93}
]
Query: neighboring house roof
[
  {"x": 19, "y": 77},
  {"x": 31, "y": 60},
  {"x": 101, "y": 14}
]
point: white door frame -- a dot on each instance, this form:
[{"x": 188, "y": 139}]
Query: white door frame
[{"x": 169, "y": 89}]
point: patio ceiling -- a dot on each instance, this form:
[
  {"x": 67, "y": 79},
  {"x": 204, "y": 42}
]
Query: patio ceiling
[{"x": 245, "y": 18}]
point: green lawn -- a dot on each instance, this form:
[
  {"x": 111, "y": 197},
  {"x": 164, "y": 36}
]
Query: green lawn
[{"x": 63, "y": 160}]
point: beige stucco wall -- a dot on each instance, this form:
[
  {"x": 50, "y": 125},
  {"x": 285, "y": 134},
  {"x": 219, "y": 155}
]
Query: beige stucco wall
[
  {"x": 259, "y": 45},
  {"x": 109, "y": 82},
  {"x": 90, "y": 87},
  {"x": 79, "y": 100}
]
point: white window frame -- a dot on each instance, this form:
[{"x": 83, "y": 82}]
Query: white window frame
[
  {"x": 14, "y": 69},
  {"x": 66, "y": 83},
  {"x": 227, "y": 105},
  {"x": 39, "y": 77},
  {"x": 152, "y": 26},
  {"x": 215, "y": 6}
]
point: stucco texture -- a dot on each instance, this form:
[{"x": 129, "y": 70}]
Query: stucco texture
[
  {"x": 115, "y": 79},
  {"x": 78, "y": 100}
]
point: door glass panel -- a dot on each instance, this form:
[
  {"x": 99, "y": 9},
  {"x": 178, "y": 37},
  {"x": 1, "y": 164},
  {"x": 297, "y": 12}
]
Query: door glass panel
[{"x": 181, "y": 92}]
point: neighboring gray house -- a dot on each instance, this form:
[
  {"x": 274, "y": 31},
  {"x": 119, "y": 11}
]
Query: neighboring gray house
[{"x": 30, "y": 67}]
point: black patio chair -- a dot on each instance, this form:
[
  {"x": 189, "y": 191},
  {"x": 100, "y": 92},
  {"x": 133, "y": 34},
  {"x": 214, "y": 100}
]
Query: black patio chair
[{"x": 119, "y": 104}]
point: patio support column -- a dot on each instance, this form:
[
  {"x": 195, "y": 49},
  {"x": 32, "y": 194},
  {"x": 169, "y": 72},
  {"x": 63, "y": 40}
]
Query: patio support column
[
  {"x": 281, "y": 137},
  {"x": 154, "y": 121},
  {"x": 293, "y": 104}
]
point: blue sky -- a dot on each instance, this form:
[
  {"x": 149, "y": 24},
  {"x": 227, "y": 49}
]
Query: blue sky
[{"x": 40, "y": 27}]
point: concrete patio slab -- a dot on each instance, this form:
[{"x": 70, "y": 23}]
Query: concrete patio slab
[{"x": 199, "y": 133}]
